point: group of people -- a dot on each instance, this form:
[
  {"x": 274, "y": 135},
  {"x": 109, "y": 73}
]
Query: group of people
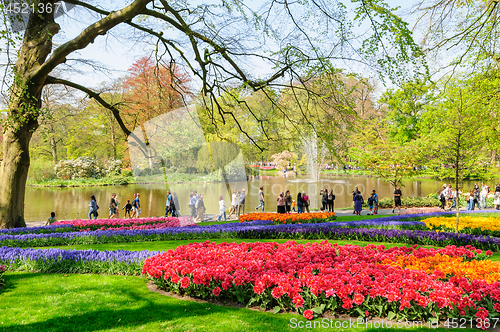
[
  {"x": 172, "y": 206},
  {"x": 132, "y": 209},
  {"x": 197, "y": 206},
  {"x": 358, "y": 201},
  {"x": 477, "y": 197},
  {"x": 237, "y": 204}
]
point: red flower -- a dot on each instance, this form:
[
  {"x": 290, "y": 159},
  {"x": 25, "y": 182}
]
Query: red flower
[
  {"x": 359, "y": 299},
  {"x": 308, "y": 314},
  {"x": 367, "y": 313},
  {"x": 185, "y": 282},
  {"x": 175, "y": 278},
  {"x": 298, "y": 301},
  {"x": 216, "y": 291}
]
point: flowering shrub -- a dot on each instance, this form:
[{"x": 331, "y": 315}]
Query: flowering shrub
[
  {"x": 319, "y": 277},
  {"x": 74, "y": 261},
  {"x": 289, "y": 218},
  {"x": 113, "y": 167},
  {"x": 82, "y": 167},
  {"x": 467, "y": 224}
]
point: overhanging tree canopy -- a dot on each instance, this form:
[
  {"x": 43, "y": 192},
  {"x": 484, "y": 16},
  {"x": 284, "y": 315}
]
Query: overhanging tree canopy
[{"x": 215, "y": 42}]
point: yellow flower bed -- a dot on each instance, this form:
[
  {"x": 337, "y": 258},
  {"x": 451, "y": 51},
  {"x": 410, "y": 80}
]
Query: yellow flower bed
[
  {"x": 450, "y": 266},
  {"x": 483, "y": 223}
]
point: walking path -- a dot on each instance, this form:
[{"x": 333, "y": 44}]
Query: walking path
[{"x": 213, "y": 217}]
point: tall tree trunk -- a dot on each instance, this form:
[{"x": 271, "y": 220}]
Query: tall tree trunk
[
  {"x": 21, "y": 122},
  {"x": 13, "y": 175}
]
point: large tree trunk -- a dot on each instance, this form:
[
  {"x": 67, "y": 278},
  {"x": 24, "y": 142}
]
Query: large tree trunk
[
  {"x": 23, "y": 112},
  {"x": 13, "y": 174}
]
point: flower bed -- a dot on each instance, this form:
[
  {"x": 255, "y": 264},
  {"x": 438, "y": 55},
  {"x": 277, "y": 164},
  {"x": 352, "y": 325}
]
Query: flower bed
[
  {"x": 468, "y": 225},
  {"x": 102, "y": 224},
  {"x": 74, "y": 261},
  {"x": 233, "y": 230},
  {"x": 315, "y": 278},
  {"x": 127, "y": 224},
  {"x": 290, "y": 218},
  {"x": 421, "y": 210}
]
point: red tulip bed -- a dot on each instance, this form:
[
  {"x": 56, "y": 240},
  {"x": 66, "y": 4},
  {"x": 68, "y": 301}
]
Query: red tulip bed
[
  {"x": 87, "y": 225},
  {"x": 312, "y": 279}
]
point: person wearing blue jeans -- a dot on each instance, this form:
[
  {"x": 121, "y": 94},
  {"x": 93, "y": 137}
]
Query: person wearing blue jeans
[
  {"x": 93, "y": 207},
  {"x": 261, "y": 199}
]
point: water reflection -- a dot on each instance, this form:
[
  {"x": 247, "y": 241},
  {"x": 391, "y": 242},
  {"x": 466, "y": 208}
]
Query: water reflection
[{"x": 72, "y": 203}]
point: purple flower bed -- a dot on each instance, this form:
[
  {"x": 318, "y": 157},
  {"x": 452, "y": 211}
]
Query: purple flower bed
[
  {"x": 74, "y": 261},
  {"x": 176, "y": 233}
]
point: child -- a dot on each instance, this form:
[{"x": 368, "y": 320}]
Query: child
[
  {"x": 370, "y": 204},
  {"x": 128, "y": 208},
  {"x": 52, "y": 219},
  {"x": 294, "y": 205}
]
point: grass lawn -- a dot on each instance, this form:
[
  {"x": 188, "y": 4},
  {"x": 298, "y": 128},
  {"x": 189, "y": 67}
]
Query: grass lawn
[{"x": 78, "y": 302}]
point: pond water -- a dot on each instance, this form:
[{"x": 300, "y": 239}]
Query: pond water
[{"x": 72, "y": 203}]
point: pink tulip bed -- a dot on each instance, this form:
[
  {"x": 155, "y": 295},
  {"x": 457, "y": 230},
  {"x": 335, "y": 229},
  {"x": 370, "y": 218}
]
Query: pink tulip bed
[
  {"x": 86, "y": 225},
  {"x": 312, "y": 279}
]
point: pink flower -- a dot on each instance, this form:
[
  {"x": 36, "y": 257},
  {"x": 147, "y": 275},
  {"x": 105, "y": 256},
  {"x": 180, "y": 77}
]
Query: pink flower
[
  {"x": 359, "y": 299},
  {"x": 174, "y": 278},
  {"x": 298, "y": 301},
  {"x": 216, "y": 291},
  {"x": 185, "y": 282},
  {"x": 308, "y": 314}
]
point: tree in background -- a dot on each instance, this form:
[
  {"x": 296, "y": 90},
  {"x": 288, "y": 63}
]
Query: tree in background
[{"x": 454, "y": 135}]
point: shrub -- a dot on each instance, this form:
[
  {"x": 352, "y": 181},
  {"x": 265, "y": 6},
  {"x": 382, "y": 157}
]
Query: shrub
[
  {"x": 113, "y": 167},
  {"x": 388, "y": 202},
  {"x": 127, "y": 172},
  {"x": 82, "y": 167}
]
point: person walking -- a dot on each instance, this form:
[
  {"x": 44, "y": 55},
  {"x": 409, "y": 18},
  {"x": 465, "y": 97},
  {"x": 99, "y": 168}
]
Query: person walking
[
  {"x": 234, "y": 204},
  {"x": 169, "y": 203},
  {"x": 467, "y": 201},
  {"x": 471, "y": 200},
  {"x": 177, "y": 207},
  {"x": 324, "y": 198},
  {"x": 306, "y": 201},
  {"x": 485, "y": 190},
  {"x": 52, "y": 219},
  {"x": 375, "y": 202},
  {"x": 281, "y": 203},
  {"x": 300, "y": 203},
  {"x": 442, "y": 195},
  {"x": 330, "y": 200},
  {"x": 222, "y": 208},
  {"x": 477, "y": 195},
  {"x": 261, "y": 199},
  {"x": 354, "y": 193},
  {"x": 241, "y": 203},
  {"x": 397, "y": 199},
  {"x": 128, "y": 208},
  {"x": 93, "y": 207},
  {"x": 288, "y": 201},
  {"x": 200, "y": 208},
  {"x": 358, "y": 203},
  {"x": 136, "y": 207},
  {"x": 113, "y": 207},
  {"x": 192, "y": 205},
  {"x": 497, "y": 197}
]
